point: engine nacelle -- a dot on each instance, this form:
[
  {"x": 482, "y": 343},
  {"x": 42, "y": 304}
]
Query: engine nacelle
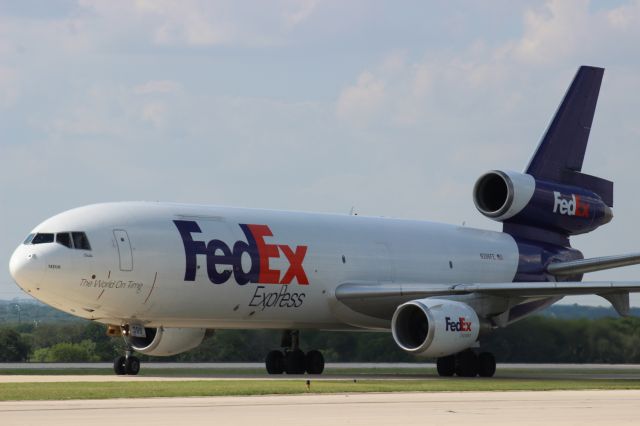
[
  {"x": 518, "y": 198},
  {"x": 435, "y": 327},
  {"x": 167, "y": 341}
]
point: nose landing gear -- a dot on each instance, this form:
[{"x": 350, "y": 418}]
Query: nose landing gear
[
  {"x": 292, "y": 360},
  {"x": 127, "y": 364}
]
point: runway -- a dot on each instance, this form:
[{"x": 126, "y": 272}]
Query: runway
[
  {"x": 496, "y": 408},
  {"x": 584, "y": 407},
  {"x": 37, "y": 372}
]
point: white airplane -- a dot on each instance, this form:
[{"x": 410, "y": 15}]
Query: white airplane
[{"x": 161, "y": 274}]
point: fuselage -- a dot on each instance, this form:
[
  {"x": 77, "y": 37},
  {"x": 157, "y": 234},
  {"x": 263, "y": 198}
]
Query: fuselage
[{"x": 180, "y": 265}]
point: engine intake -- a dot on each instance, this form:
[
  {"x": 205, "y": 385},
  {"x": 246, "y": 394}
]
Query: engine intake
[
  {"x": 501, "y": 195},
  {"x": 167, "y": 341},
  {"x": 435, "y": 327}
]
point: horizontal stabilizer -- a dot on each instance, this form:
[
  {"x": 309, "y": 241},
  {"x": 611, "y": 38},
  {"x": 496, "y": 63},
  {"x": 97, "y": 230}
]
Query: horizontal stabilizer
[{"x": 582, "y": 266}]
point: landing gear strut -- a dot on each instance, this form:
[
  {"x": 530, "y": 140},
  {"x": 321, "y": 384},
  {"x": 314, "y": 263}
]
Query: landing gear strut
[
  {"x": 127, "y": 364},
  {"x": 291, "y": 359},
  {"x": 467, "y": 364}
]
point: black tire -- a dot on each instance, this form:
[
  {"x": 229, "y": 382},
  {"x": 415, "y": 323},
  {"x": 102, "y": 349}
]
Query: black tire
[
  {"x": 132, "y": 365},
  {"x": 314, "y": 362},
  {"x": 119, "y": 367},
  {"x": 486, "y": 364},
  {"x": 466, "y": 364},
  {"x": 446, "y": 366},
  {"x": 274, "y": 362},
  {"x": 294, "y": 362}
]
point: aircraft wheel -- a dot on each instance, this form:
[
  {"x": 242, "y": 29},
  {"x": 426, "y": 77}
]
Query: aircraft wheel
[
  {"x": 132, "y": 365},
  {"x": 119, "y": 366},
  {"x": 466, "y": 364},
  {"x": 486, "y": 364},
  {"x": 274, "y": 362},
  {"x": 314, "y": 362},
  {"x": 294, "y": 362},
  {"x": 446, "y": 365}
]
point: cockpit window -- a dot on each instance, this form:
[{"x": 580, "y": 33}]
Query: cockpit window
[
  {"x": 64, "y": 238},
  {"x": 41, "y": 238},
  {"x": 77, "y": 240},
  {"x": 80, "y": 241}
]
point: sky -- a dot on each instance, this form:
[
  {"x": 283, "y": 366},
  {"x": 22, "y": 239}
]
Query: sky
[{"x": 390, "y": 108}]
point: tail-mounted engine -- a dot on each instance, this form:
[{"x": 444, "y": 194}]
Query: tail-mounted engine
[
  {"x": 517, "y": 198},
  {"x": 435, "y": 327}
]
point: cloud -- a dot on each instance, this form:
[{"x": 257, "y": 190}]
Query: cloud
[
  {"x": 201, "y": 23},
  {"x": 155, "y": 112},
  {"x": 554, "y": 31},
  {"x": 9, "y": 86},
  {"x": 296, "y": 12},
  {"x": 361, "y": 102},
  {"x": 558, "y": 36},
  {"x": 157, "y": 86}
]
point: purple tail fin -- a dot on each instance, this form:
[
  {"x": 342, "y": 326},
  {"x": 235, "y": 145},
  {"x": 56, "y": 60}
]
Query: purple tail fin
[{"x": 561, "y": 151}]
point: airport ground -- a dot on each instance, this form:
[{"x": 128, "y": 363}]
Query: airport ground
[
  {"x": 450, "y": 408},
  {"x": 371, "y": 394}
]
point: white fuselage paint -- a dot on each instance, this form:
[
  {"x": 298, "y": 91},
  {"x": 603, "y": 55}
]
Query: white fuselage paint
[{"x": 142, "y": 280}]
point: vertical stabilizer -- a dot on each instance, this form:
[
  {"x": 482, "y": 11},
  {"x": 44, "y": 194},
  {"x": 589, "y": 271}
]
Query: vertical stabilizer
[{"x": 561, "y": 151}]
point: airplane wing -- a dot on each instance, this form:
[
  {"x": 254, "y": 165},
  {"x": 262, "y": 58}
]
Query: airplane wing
[
  {"x": 350, "y": 291},
  {"x": 380, "y": 299}
]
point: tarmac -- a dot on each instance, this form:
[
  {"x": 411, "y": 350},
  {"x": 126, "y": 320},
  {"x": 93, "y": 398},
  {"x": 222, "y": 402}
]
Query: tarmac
[
  {"x": 495, "y": 408},
  {"x": 619, "y": 407},
  {"x": 233, "y": 371}
]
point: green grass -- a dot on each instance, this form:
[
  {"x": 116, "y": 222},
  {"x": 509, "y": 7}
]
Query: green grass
[
  {"x": 105, "y": 390},
  {"x": 355, "y": 380}
]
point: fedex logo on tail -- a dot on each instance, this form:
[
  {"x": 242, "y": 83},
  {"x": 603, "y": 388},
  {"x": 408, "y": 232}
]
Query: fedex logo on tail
[
  {"x": 461, "y": 325},
  {"x": 218, "y": 253},
  {"x": 569, "y": 205}
]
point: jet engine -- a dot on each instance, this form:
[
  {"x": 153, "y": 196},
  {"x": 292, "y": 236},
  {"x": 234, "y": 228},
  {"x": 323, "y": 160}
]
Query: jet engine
[
  {"x": 167, "y": 341},
  {"x": 435, "y": 327},
  {"x": 517, "y": 198}
]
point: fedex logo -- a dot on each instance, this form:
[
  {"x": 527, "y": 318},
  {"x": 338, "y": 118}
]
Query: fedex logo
[
  {"x": 218, "y": 253},
  {"x": 461, "y": 325},
  {"x": 570, "y": 206}
]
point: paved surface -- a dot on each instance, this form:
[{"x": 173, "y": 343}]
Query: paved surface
[
  {"x": 495, "y": 408},
  {"x": 251, "y": 365},
  {"x": 217, "y": 371}
]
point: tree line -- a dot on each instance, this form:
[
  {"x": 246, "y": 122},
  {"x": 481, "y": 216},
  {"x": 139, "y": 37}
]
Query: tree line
[{"x": 540, "y": 339}]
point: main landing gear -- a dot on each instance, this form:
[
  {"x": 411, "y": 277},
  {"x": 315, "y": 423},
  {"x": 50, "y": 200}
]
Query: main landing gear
[
  {"x": 467, "y": 364},
  {"x": 291, "y": 359}
]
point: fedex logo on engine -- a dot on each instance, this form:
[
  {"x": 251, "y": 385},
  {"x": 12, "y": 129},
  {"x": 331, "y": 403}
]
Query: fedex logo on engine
[
  {"x": 218, "y": 253},
  {"x": 569, "y": 205},
  {"x": 461, "y": 325}
]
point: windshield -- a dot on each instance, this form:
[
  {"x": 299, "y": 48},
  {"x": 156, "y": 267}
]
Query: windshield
[{"x": 73, "y": 240}]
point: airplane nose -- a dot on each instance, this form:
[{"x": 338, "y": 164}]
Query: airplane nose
[{"x": 25, "y": 268}]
